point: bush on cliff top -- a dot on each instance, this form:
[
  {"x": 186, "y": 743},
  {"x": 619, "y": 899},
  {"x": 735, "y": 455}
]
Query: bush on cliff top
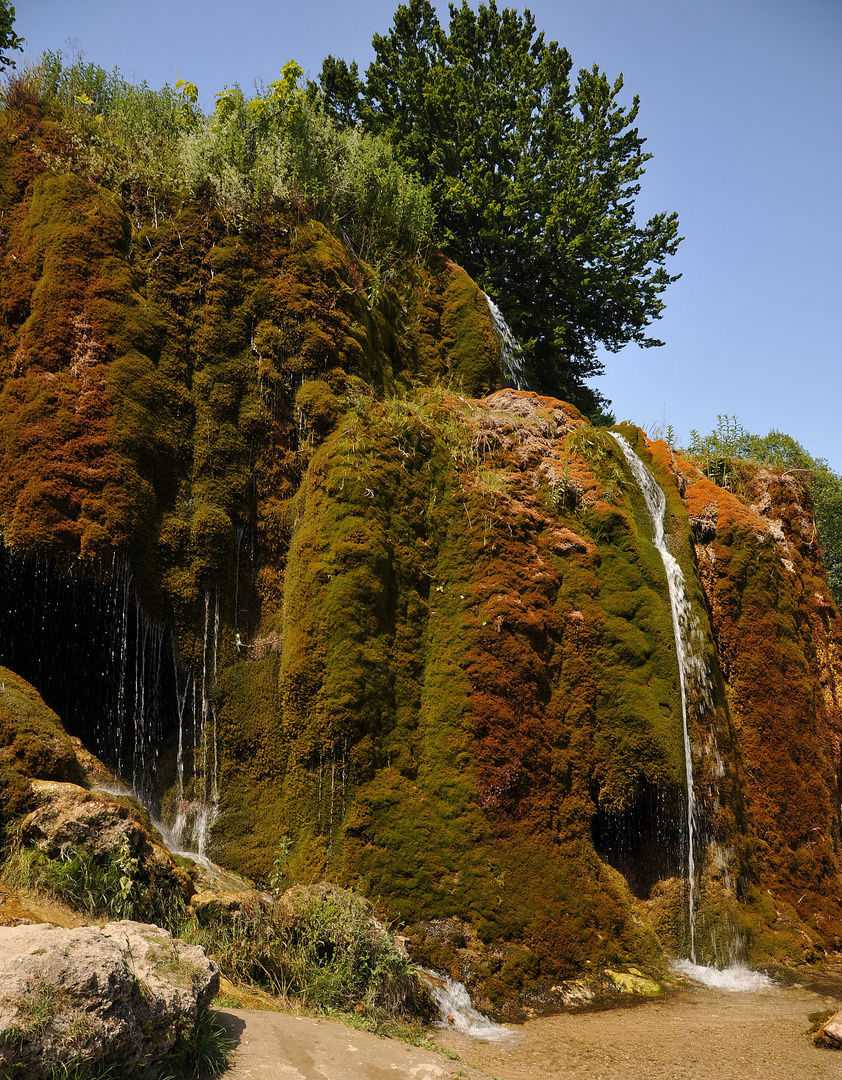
[
  {"x": 729, "y": 443},
  {"x": 276, "y": 150}
]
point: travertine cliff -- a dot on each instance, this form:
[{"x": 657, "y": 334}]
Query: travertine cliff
[{"x": 280, "y": 549}]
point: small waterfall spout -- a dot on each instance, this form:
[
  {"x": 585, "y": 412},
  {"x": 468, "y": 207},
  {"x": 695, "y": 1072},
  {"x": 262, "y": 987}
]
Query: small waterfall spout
[
  {"x": 694, "y": 677},
  {"x": 457, "y": 1010},
  {"x": 510, "y": 349}
]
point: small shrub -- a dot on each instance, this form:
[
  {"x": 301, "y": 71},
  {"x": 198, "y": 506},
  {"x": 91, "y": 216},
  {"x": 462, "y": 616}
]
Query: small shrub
[
  {"x": 202, "y": 1049},
  {"x": 338, "y": 956},
  {"x": 114, "y": 884},
  {"x": 319, "y": 944},
  {"x": 39, "y": 1009}
]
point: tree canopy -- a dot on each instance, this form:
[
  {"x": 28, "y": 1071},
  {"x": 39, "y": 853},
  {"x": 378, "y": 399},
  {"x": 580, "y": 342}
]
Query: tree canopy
[
  {"x": 533, "y": 179},
  {"x": 8, "y": 38}
]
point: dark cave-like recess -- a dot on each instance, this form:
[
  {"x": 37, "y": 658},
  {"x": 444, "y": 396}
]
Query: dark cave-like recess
[
  {"x": 646, "y": 842},
  {"x": 109, "y": 673}
]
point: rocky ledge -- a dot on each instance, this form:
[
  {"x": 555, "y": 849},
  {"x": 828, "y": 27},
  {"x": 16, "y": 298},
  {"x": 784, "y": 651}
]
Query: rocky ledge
[{"x": 123, "y": 992}]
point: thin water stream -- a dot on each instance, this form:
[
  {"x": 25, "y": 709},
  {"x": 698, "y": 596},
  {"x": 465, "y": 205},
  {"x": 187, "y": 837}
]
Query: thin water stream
[
  {"x": 511, "y": 352},
  {"x": 691, "y": 667}
]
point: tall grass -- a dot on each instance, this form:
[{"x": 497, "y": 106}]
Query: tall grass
[
  {"x": 274, "y": 150},
  {"x": 113, "y": 884},
  {"x": 319, "y": 945}
]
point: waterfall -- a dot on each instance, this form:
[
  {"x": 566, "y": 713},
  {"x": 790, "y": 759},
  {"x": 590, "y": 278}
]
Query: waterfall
[
  {"x": 694, "y": 677},
  {"x": 197, "y": 805},
  {"x": 457, "y": 1010},
  {"x": 511, "y": 352},
  {"x": 95, "y": 656}
]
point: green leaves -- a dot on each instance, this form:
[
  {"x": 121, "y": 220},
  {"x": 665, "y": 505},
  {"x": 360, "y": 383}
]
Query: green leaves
[
  {"x": 8, "y": 38},
  {"x": 188, "y": 90},
  {"x": 533, "y": 180}
]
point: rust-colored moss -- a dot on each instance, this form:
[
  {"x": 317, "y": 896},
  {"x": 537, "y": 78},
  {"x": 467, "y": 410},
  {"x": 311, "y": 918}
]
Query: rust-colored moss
[{"x": 444, "y": 669}]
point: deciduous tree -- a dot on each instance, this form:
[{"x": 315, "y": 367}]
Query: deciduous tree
[
  {"x": 8, "y": 38},
  {"x": 534, "y": 180}
]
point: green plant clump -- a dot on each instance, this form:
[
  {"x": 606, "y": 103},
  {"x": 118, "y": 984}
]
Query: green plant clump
[
  {"x": 320, "y": 945},
  {"x": 112, "y": 884}
]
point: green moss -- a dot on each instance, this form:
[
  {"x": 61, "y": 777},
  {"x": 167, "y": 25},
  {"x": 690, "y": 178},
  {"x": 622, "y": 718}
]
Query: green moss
[
  {"x": 33, "y": 744},
  {"x": 418, "y": 690},
  {"x": 444, "y": 666}
]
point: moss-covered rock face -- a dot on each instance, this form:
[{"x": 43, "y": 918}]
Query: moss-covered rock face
[
  {"x": 33, "y": 744},
  {"x": 376, "y": 620}
]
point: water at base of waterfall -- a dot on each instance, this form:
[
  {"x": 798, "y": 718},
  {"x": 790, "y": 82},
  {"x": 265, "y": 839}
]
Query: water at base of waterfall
[
  {"x": 188, "y": 835},
  {"x": 457, "y": 1011},
  {"x": 737, "y": 978}
]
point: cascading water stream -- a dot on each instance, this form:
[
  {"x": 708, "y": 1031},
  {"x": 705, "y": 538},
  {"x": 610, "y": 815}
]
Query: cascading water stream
[
  {"x": 457, "y": 1010},
  {"x": 510, "y": 349},
  {"x": 691, "y": 667},
  {"x": 98, "y": 659},
  {"x": 197, "y": 806}
]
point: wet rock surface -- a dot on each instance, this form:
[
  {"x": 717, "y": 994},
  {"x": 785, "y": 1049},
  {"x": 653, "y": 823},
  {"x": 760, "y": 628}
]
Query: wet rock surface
[{"x": 121, "y": 992}]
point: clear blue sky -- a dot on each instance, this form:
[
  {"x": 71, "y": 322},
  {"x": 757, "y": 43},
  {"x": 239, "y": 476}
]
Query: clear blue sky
[{"x": 741, "y": 103}]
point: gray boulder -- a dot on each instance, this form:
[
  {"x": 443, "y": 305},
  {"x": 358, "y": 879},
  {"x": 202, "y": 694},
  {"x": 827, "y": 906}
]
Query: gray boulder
[{"x": 122, "y": 992}]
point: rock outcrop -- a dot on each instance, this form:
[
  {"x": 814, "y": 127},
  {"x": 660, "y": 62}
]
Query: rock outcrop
[
  {"x": 97, "y": 850},
  {"x": 320, "y": 587},
  {"x": 830, "y": 1033},
  {"x": 120, "y": 994}
]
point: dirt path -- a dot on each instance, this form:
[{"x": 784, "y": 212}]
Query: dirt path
[
  {"x": 692, "y": 1035},
  {"x": 277, "y": 1046}
]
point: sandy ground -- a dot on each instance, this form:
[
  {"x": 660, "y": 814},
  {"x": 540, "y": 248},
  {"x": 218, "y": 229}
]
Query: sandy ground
[
  {"x": 277, "y": 1046},
  {"x": 697, "y": 1034}
]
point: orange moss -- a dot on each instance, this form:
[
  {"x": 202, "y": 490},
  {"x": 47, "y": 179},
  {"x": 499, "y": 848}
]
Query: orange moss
[{"x": 471, "y": 702}]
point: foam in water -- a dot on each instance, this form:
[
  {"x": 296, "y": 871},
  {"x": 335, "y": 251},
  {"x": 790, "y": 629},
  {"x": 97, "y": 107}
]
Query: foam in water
[
  {"x": 457, "y": 1011},
  {"x": 510, "y": 348},
  {"x": 737, "y": 979}
]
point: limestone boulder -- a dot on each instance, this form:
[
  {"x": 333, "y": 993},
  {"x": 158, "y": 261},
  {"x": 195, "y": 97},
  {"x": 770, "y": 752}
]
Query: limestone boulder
[
  {"x": 71, "y": 817},
  {"x": 830, "y": 1033},
  {"x": 120, "y": 993}
]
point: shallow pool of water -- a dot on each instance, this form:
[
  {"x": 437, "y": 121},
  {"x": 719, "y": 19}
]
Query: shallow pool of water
[{"x": 698, "y": 1033}]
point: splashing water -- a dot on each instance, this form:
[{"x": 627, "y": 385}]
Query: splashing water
[
  {"x": 693, "y": 674},
  {"x": 511, "y": 352},
  {"x": 457, "y": 1011},
  {"x": 194, "y": 819},
  {"x": 737, "y": 979}
]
